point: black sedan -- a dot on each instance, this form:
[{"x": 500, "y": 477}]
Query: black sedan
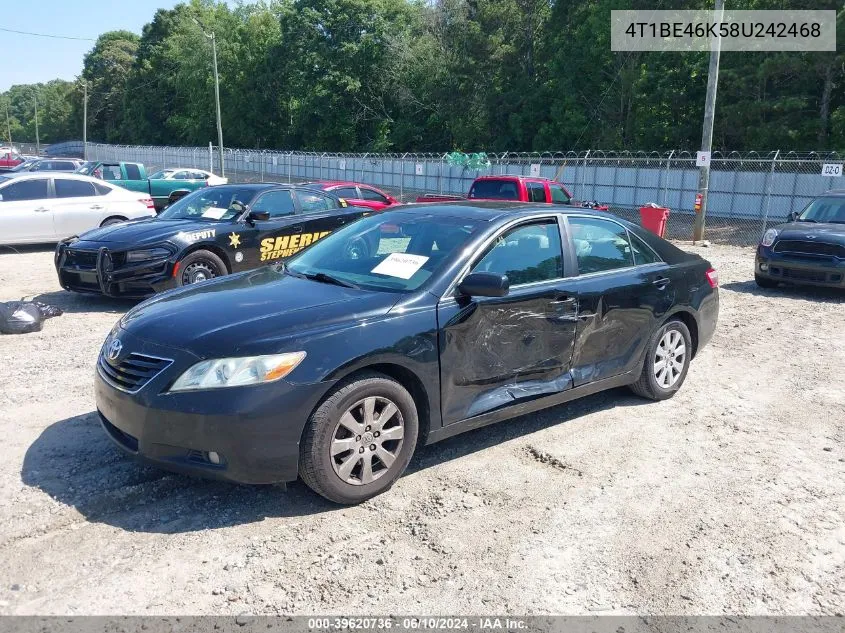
[
  {"x": 808, "y": 250},
  {"x": 208, "y": 233},
  {"x": 334, "y": 367}
]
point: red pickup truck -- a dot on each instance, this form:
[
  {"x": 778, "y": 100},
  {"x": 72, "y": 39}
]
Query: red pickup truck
[
  {"x": 519, "y": 188},
  {"x": 9, "y": 159}
]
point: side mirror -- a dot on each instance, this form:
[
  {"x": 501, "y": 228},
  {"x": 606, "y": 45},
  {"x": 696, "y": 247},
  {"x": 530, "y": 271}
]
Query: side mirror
[
  {"x": 793, "y": 217},
  {"x": 484, "y": 285},
  {"x": 177, "y": 195},
  {"x": 260, "y": 216}
]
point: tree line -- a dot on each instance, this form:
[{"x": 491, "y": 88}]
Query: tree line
[{"x": 432, "y": 75}]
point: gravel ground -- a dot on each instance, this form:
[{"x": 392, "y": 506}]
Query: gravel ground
[{"x": 729, "y": 498}]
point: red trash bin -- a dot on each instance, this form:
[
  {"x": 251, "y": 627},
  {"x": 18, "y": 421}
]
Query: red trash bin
[{"x": 654, "y": 218}]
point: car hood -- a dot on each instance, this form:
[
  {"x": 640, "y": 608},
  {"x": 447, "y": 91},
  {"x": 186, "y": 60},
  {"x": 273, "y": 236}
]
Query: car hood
[
  {"x": 149, "y": 231},
  {"x": 262, "y": 311},
  {"x": 829, "y": 233}
]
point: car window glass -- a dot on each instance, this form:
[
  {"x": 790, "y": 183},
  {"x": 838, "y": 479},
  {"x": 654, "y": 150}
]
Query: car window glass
[
  {"x": 181, "y": 175},
  {"x": 536, "y": 192},
  {"x": 66, "y": 188},
  {"x": 600, "y": 245},
  {"x": 375, "y": 196},
  {"x": 101, "y": 189},
  {"x": 64, "y": 165},
  {"x": 197, "y": 175},
  {"x": 277, "y": 203},
  {"x": 642, "y": 253},
  {"x": 345, "y": 192},
  {"x": 495, "y": 189},
  {"x": 526, "y": 254},
  {"x": 111, "y": 172},
  {"x": 132, "y": 172},
  {"x": 43, "y": 165},
  {"x": 311, "y": 202},
  {"x": 34, "y": 189},
  {"x": 559, "y": 195}
]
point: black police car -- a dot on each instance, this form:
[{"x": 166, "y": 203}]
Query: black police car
[
  {"x": 807, "y": 250},
  {"x": 335, "y": 367},
  {"x": 208, "y": 233}
]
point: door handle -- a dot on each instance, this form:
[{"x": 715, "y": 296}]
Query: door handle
[
  {"x": 41, "y": 210},
  {"x": 296, "y": 228},
  {"x": 661, "y": 282},
  {"x": 96, "y": 206}
]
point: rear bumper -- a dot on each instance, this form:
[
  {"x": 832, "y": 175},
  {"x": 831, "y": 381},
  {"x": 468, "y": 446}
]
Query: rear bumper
[
  {"x": 99, "y": 275},
  {"x": 828, "y": 272}
]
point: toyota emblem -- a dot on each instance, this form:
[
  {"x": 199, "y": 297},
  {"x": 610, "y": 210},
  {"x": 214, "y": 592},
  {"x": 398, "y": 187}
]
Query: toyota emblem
[{"x": 115, "y": 347}]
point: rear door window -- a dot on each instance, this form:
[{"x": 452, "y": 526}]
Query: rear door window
[
  {"x": 375, "y": 196},
  {"x": 346, "y": 192},
  {"x": 66, "y": 188},
  {"x": 600, "y": 245},
  {"x": 314, "y": 202},
  {"x": 536, "y": 192},
  {"x": 133, "y": 172}
]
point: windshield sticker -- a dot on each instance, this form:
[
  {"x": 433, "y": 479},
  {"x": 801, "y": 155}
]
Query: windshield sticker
[
  {"x": 197, "y": 235},
  {"x": 215, "y": 213},
  {"x": 286, "y": 245},
  {"x": 400, "y": 265}
]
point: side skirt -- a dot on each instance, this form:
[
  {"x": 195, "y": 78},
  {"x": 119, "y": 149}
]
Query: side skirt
[{"x": 530, "y": 406}]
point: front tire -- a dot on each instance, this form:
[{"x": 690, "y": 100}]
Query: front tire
[
  {"x": 199, "y": 266},
  {"x": 359, "y": 441},
  {"x": 764, "y": 282},
  {"x": 667, "y": 361}
]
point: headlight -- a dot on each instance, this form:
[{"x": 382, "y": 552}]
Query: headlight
[
  {"x": 150, "y": 253},
  {"x": 235, "y": 372},
  {"x": 769, "y": 237}
]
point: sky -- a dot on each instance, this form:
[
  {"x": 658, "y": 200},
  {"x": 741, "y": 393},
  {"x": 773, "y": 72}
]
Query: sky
[{"x": 45, "y": 58}]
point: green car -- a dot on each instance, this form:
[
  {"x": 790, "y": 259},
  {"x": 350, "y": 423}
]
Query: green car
[{"x": 162, "y": 186}]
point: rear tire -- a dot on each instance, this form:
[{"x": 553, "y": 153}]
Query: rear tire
[
  {"x": 200, "y": 266},
  {"x": 346, "y": 455},
  {"x": 666, "y": 363},
  {"x": 110, "y": 221},
  {"x": 764, "y": 282}
]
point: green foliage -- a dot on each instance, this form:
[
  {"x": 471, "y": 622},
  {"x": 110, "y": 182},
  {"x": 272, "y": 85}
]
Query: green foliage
[{"x": 433, "y": 75}]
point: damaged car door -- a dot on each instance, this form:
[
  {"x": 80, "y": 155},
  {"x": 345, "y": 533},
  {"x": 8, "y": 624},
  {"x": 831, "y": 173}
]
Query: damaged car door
[{"x": 495, "y": 351}]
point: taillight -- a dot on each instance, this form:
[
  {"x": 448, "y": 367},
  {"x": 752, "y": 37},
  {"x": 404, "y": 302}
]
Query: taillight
[
  {"x": 712, "y": 278},
  {"x": 148, "y": 202}
]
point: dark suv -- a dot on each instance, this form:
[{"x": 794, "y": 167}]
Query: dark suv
[{"x": 809, "y": 249}]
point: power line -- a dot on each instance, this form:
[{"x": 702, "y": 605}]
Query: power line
[{"x": 57, "y": 37}]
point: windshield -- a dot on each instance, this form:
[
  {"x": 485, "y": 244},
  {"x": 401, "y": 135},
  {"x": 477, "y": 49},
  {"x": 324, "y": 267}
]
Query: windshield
[
  {"x": 394, "y": 252},
  {"x": 161, "y": 174},
  {"x": 86, "y": 168},
  {"x": 495, "y": 190},
  {"x": 824, "y": 210},
  {"x": 24, "y": 165},
  {"x": 210, "y": 203}
]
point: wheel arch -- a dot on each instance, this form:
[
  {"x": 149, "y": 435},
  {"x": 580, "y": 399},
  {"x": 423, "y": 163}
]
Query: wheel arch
[
  {"x": 689, "y": 319},
  {"x": 213, "y": 248},
  {"x": 114, "y": 217},
  {"x": 405, "y": 377}
]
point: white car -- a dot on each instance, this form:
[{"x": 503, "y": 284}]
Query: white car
[
  {"x": 41, "y": 207},
  {"x": 189, "y": 174}
]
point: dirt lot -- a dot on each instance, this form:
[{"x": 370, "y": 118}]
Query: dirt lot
[{"x": 729, "y": 498}]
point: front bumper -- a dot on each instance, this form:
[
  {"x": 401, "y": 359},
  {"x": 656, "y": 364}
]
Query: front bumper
[
  {"x": 824, "y": 272},
  {"x": 255, "y": 430},
  {"x": 101, "y": 271}
]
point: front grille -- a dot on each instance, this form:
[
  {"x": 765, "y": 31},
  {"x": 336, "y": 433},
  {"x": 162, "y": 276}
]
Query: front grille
[
  {"x": 803, "y": 275},
  {"x": 133, "y": 372},
  {"x": 809, "y": 248},
  {"x": 81, "y": 259}
]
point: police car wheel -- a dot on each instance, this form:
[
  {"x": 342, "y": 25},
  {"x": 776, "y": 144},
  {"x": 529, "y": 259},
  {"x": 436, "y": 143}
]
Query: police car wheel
[
  {"x": 200, "y": 266},
  {"x": 360, "y": 439}
]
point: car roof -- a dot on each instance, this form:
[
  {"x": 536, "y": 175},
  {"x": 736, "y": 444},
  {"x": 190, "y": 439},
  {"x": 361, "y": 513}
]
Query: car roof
[
  {"x": 32, "y": 175},
  {"x": 491, "y": 210},
  {"x": 342, "y": 183},
  {"x": 835, "y": 192}
]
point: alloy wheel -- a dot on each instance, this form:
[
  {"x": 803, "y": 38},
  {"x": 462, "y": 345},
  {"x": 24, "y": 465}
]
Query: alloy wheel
[
  {"x": 367, "y": 440},
  {"x": 670, "y": 358}
]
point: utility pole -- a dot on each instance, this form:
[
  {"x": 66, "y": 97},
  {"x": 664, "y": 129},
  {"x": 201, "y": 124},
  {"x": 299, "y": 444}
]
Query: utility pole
[
  {"x": 216, "y": 93},
  {"x": 707, "y": 131},
  {"x": 37, "y": 139},
  {"x": 85, "y": 120},
  {"x": 8, "y": 127}
]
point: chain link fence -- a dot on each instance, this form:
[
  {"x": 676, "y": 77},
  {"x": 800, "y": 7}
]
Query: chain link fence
[{"x": 748, "y": 193}]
